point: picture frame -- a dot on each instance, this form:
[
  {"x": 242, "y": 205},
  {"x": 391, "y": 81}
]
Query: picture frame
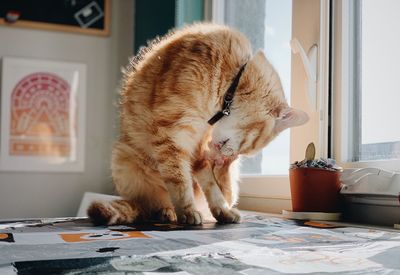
[
  {"x": 91, "y": 17},
  {"x": 43, "y": 106}
]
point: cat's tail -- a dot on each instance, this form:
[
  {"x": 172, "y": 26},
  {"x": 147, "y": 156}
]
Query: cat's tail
[{"x": 112, "y": 212}]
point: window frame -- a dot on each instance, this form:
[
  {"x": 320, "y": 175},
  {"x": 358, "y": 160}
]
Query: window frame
[
  {"x": 272, "y": 193},
  {"x": 342, "y": 101}
]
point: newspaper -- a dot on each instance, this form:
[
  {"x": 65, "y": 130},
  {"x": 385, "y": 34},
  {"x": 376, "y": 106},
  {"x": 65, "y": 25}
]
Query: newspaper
[{"x": 258, "y": 245}]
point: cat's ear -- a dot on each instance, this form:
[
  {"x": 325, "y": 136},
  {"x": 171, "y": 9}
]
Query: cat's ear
[
  {"x": 262, "y": 64},
  {"x": 290, "y": 117},
  {"x": 259, "y": 59}
]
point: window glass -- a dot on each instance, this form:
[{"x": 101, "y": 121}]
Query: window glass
[
  {"x": 377, "y": 95},
  {"x": 267, "y": 23}
]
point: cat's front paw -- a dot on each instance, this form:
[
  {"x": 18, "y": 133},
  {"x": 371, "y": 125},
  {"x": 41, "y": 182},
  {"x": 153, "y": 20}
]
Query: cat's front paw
[
  {"x": 190, "y": 216},
  {"x": 225, "y": 215},
  {"x": 167, "y": 215}
]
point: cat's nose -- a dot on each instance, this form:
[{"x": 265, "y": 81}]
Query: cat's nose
[
  {"x": 217, "y": 146},
  {"x": 221, "y": 144}
]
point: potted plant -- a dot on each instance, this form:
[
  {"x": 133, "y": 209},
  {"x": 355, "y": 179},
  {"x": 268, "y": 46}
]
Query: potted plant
[{"x": 315, "y": 184}]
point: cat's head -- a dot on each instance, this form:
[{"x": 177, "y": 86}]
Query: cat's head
[{"x": 259, "y": 112}]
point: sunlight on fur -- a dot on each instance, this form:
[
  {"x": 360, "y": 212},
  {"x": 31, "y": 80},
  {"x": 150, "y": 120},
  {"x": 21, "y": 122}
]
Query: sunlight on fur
[{"x": 168, "y": 163}]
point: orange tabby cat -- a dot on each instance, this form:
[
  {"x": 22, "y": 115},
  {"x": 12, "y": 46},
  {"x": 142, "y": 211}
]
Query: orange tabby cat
[{"x": 169, "y": 150}]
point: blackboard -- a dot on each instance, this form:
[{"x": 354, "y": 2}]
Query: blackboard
[
  {"x": 82, "y": 16},
  {"x": 151, "y": 22}
]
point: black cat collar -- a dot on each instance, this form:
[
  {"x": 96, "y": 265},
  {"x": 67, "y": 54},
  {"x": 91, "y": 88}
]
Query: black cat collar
[{"x": 228, "y": 98}]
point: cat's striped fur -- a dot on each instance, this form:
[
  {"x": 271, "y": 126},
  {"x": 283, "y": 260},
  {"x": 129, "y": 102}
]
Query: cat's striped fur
[{"x": 167, "y": 153}]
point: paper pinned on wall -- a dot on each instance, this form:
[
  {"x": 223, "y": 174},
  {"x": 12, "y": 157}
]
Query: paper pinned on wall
[{"x": 42, "y": 115}]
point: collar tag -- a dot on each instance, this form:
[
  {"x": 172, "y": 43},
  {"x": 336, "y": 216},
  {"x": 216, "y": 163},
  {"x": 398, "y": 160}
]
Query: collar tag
[{"x": 226, "y": 111}]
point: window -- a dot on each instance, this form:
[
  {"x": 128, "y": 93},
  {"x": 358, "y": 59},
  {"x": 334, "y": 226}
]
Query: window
[
  {"x": 268, "y": 25},
  {"x": 366, "y": 102}
]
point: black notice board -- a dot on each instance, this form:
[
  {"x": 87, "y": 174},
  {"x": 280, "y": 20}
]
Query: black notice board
[
  {"x": 151, "y": 22},
  {"x": 82, "y": 16}
]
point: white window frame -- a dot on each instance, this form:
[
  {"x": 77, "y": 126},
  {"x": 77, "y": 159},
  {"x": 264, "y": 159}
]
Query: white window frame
[
  {"x": 341, "y": 90},
  {"x": 272, "y": 193}
]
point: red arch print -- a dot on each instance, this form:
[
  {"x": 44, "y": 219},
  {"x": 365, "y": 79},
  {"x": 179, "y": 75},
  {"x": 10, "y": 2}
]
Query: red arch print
[{"x": 41, "y": 116}]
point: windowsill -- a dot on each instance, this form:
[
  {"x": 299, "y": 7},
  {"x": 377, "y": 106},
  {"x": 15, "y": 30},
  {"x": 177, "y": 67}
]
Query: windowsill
[
  {"x": 334, "y": 223},
  {"x": 264, "y": 204}
]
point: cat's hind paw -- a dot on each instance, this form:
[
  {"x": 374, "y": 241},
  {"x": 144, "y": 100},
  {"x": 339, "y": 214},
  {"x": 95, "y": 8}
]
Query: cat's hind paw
[
  {"x": 224, "y": 215},
  {"x": 191, "y": 216}
]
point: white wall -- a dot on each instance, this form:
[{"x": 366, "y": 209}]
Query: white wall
[{"x": 59, "y": 194}]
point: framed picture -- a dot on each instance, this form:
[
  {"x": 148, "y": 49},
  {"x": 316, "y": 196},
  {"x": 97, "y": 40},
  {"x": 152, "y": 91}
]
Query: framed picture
[
  {"x": 42, "y": 115},
  {"x": 79, "y": 16}
]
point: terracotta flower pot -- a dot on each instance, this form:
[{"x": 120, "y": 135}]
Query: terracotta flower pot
[{"x": 315, "y": 190}]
